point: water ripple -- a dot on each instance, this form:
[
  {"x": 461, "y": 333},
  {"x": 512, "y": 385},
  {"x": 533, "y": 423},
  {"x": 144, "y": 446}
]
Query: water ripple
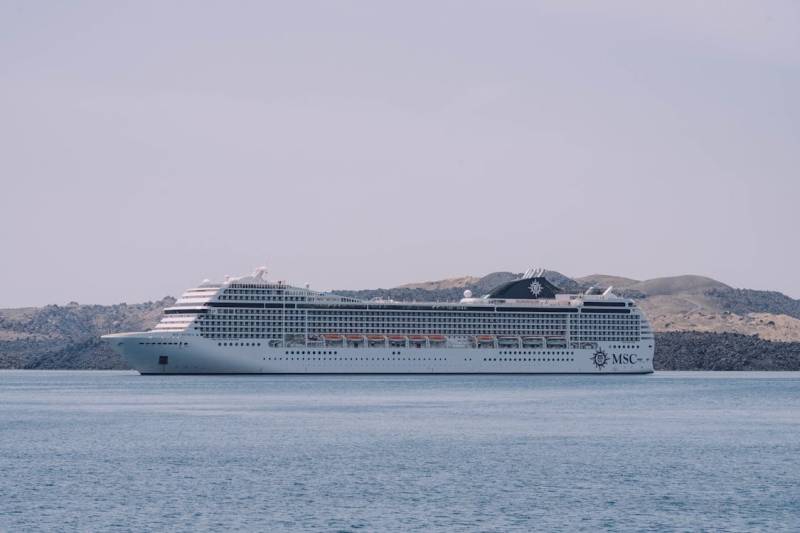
[{"x": 673, "y": 451}]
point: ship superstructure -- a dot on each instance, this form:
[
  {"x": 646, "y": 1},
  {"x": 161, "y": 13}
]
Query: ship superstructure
[{"x": 254, "y": 325}]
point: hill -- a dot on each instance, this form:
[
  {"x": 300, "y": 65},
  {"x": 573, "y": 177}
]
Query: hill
[
  {"x": 449, "y": 290},
  {"x": 450, "y": 283},
  {"x": 603, "y": 280},
  {"x": 677, "y": 285},
  {"x": 68, "y": 336}
]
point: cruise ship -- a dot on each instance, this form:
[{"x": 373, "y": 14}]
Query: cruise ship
[{"x": 251, "y": 325}]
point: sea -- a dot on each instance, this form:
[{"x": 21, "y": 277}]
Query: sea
[{"x": 671, "y": 451}]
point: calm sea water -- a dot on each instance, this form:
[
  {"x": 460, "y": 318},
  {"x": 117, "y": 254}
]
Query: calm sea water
[{"x": 672, "y": 451}]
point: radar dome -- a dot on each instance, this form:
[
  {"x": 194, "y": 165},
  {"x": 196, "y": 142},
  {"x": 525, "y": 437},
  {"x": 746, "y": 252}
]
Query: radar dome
[{"x": 467, "y": 293}]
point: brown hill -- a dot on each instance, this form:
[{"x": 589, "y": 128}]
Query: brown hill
[
  {"x": 603, "y": 280},
  {"x": 450, "y": 283},
  {"x": 677, "y": 285},
  {"x": 768, "y": 326}
]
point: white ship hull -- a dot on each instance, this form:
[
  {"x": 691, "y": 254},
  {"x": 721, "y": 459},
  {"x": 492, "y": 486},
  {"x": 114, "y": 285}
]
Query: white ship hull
[{"x": 153, "y": 353}]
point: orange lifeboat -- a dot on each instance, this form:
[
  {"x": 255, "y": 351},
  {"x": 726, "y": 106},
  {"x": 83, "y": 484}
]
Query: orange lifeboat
[
  {"x": 417, "y": 338},
  {"x": 332, "y": 337},
  {"x": 355, "y": 337},
  {"x": 484, "y": 338},
  {"x": 437, "y": 338}
]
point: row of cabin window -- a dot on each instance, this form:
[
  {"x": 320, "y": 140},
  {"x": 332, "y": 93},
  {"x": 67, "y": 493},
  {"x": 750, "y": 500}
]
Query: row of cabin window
[
  {"x": 238, "y": 344},
  {"x": 375, "y": 321},
  {"x": 595, "y": 318},
  {"x": 265, "y": 298}
]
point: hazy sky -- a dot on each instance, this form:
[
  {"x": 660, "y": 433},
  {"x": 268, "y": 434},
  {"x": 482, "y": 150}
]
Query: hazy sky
[{"x": 145, "y": 146}]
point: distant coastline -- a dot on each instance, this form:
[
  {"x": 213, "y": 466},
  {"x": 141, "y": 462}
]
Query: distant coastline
[
  {"x": 700, "y": 323},
  {"x": 690, "y": 350}
]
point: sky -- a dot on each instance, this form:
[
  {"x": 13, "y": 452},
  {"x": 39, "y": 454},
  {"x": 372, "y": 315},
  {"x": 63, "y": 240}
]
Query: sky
[{"x": 145, "y": 146}]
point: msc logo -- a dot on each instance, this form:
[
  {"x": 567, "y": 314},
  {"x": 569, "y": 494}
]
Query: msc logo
[
  {"x": 536, "y": 288},
  {"x": 600, "y": 359}
]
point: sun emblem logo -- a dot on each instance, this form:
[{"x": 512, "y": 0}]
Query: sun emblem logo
[
  {"x": 600, "y": 359},
  {"x": 535, "y": 287}
]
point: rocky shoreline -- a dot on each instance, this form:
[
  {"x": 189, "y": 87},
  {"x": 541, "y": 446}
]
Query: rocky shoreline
[{"x": 694, "y": 350}]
